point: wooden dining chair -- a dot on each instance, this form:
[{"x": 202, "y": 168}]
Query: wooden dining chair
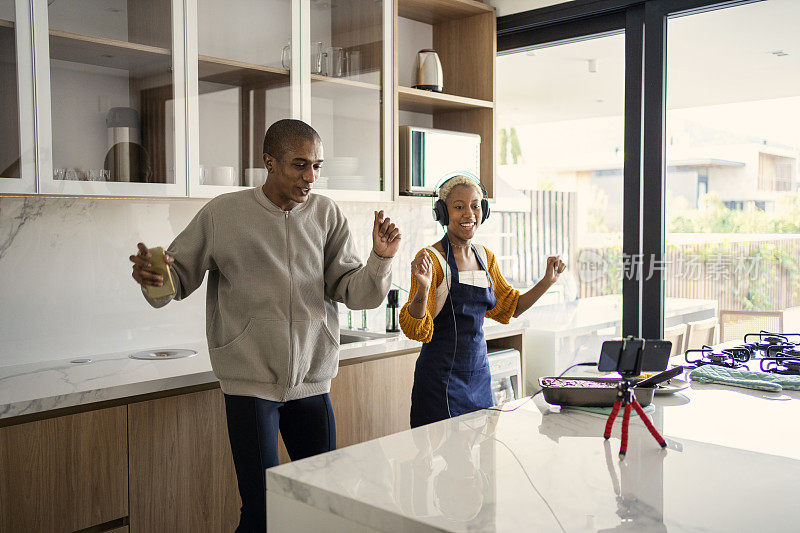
[
  {"x": 734, "y": 325},
  {"x": 702, "y": 332},
  {"x": 677, "y": 336}
]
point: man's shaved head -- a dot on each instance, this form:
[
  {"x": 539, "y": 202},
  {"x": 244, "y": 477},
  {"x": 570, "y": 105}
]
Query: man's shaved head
[{"x": 285, "y": 134}]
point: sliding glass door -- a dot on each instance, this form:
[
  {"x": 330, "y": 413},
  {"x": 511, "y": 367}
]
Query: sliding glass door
[{"x": 732, "y": 145}]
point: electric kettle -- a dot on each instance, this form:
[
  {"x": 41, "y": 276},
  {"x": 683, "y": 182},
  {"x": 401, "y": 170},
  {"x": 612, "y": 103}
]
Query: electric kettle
[{"x": 429, "y": 71}]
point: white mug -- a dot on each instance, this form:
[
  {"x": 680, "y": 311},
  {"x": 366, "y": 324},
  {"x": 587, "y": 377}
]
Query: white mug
[
  {"x": 255, "y": 177},
  {"x": 222, "y": 176}
]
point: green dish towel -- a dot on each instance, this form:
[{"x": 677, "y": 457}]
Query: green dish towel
[
  {"x": 607, "y": 410},
  {"x": 744, "y": 378}
]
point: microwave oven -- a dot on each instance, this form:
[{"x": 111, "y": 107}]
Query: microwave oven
[{"x": 427, "y": 155}]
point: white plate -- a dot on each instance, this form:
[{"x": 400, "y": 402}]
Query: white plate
[
  {"x": 672, "y": 387},
  {"x": 152, "y": 355}
]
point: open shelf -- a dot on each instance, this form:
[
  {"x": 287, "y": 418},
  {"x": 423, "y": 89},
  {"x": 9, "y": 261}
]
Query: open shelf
[
  {"x": 6, "y": 24},
  {"x": 99, "y": 51},
  {"x": 344, "y": 82},
  {"x": 436, "y": 11},
  {"x": 343, "y": 89},
  {"x": 238, "y": 73},
  {"x": 421, "y": 101}
]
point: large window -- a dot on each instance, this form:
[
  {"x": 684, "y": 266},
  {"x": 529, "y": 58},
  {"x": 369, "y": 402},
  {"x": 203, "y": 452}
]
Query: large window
[
  {"x": 708, "y": 174},
  {"x": 560, "y": 124},
  {"x": 732, "y": 122}
]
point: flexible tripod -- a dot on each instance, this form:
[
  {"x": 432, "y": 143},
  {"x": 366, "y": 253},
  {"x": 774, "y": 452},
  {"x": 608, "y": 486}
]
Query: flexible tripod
[{"x": 626, "y": 398}]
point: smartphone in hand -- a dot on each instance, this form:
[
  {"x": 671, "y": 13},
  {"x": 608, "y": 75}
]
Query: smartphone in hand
[{"x": 160, "y": 267}]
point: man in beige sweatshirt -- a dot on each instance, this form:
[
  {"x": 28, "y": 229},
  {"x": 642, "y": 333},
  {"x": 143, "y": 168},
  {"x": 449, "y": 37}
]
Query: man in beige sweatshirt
[{"x": 278, "y": 259}]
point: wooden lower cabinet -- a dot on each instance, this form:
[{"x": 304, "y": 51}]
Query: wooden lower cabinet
[
  {"x": 64, "y": 473},
  {"x": 165, "y": 464},
  {"x": 181, "y": 469},
  {"x": 370, "y": 399}
]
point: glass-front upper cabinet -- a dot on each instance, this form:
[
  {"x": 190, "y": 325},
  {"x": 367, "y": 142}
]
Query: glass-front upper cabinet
[
  {"x": 17, "y": 153},
  {"x": 351, "y": 94},
  {"x": 239, "y": 83},
  {"x": 114, "y": 120}
]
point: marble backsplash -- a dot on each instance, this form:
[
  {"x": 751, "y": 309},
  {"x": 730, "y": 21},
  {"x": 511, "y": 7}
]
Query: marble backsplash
[{"x": 66, "y": 287}]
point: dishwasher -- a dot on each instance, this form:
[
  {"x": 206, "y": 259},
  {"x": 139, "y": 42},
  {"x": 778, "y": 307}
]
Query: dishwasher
[{"x": 506, "y": 372}]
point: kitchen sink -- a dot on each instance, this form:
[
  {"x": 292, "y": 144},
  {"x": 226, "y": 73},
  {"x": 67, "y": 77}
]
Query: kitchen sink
[{"x": 349, "y": 336}]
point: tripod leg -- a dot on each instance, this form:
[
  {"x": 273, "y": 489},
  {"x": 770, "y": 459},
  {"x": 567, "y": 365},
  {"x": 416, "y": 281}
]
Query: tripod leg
[
  {"x": 611, "y": 417},
  {"x": 646, "y": 419},
  {"x": 626, "y": 418}
]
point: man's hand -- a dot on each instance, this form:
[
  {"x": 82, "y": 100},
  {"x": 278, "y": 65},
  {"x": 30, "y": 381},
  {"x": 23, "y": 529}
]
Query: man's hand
[
  {"x": 555, "y": 266},
  {"x": 141, "y": 267},
  {"x": 421, "y": 268},
  {"x": 385, "y": 236}
]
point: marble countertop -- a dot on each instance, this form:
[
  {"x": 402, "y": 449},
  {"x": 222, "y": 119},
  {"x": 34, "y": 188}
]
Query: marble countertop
[
  {"x": 732, "y": 464},
  {"x": 38, "y": 387}
]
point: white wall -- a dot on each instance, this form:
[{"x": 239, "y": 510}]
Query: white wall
[{"x": 67, "y": 289}]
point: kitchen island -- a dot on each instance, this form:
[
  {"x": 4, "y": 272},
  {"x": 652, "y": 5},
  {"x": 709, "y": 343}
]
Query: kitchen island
[{"x": 732, "y": 464}]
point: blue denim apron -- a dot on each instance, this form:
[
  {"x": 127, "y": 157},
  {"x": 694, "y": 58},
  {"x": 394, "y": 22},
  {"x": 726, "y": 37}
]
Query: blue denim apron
[{"x": 434, "y": 397}]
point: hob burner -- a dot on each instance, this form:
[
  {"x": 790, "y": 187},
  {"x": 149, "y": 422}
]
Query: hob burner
[
  {"x": 788, "y": 367},
  {"x": 729, "y": 357}
]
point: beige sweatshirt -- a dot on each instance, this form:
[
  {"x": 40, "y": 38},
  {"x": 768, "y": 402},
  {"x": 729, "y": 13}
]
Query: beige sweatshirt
[{"x": 274, "y": 278}]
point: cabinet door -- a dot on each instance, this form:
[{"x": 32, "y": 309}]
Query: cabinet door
[
  {"x": 239, "y": 83},
  {"x": 182, "y": 475},
  {"x": 373, "y": 399},
  {"x": 65, "y": 473},
  {"x": 351, "y": 97},
  {"x": 17, "y": 153},
  {"x": 112, "y": 111}
]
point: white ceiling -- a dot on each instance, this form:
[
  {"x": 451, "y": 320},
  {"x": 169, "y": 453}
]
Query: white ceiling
[{"x": 716, "y": 57}]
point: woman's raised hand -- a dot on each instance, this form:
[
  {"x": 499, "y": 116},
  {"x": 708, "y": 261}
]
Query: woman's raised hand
[
  {"x": 555, "y": 266},
  {"x": 422, "y": 269}
]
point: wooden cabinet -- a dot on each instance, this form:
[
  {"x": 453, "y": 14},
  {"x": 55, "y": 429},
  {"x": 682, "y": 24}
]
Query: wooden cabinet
[
  {"x": 181, "y": 469},
  {"x": 371, "y": 399},
  {"x": 464, "y": 35},
  {"x": 65, "y": 473},
  {"x": 167, "y": 98}
]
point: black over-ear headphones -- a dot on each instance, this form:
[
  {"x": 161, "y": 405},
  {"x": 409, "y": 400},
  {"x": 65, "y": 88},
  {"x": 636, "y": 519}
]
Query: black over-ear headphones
[{"x": 440, "y": 208}]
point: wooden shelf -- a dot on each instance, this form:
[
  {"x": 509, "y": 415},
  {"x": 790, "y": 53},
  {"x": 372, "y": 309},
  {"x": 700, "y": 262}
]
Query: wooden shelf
[
  {"x": 238, "y": 73},
  {"x": 99, "y": 51},
  {"x": 342, "y": 89},
  {"x": 421, "y": 101},
  {"x": 6, "y": 24},
  {"x": 344, "y": 82},
  {"x": 436, "y": 11}
]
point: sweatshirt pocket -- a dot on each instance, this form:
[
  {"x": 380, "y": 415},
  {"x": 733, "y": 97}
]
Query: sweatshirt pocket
[
  {"x": 318, "y": 352},
  {"x": 259, "y": 354}
]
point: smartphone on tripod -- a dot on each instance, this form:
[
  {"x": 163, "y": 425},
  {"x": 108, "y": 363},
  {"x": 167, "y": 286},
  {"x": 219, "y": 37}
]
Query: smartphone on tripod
[{"x": 633, "y": 356}]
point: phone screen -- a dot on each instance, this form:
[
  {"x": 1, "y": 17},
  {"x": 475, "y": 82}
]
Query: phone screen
[
  {"x": 656, "y": 355},
  {"x": 654, "y": 358},
  {"x": 619, "y": 356}
]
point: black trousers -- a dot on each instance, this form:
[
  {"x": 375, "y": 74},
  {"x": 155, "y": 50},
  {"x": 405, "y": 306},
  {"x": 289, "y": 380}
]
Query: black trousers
[{"x": 307, "y": 427}]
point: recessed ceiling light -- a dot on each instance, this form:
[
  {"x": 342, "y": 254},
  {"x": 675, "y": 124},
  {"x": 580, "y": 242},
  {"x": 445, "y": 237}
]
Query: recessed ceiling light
[{"x": 779, "y": 53}]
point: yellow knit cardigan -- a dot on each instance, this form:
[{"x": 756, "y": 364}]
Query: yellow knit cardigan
[{"x": 421, "y": 329}]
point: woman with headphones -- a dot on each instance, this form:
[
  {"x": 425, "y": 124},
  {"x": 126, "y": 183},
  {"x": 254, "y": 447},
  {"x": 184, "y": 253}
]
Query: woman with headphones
[{"x": 454, "y": 285}]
